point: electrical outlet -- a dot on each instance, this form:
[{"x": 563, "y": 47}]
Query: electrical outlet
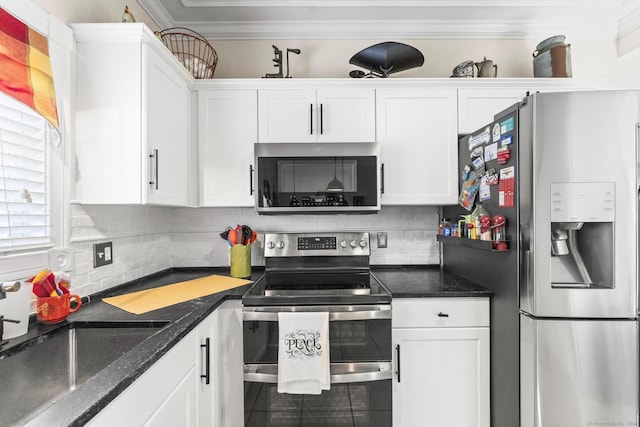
[
  {"x": 102, "y": 254},
  {"x": 382, "y": 239}
]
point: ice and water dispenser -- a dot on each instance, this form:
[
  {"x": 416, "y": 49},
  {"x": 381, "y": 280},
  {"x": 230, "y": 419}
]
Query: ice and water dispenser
[{"x": 582, "y": 234}]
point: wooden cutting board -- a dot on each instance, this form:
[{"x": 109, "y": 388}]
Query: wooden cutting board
[{"x": 152, "y": 299}]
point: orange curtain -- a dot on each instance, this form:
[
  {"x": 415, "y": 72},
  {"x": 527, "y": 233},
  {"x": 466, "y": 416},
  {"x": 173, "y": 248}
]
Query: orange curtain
[{"x": 25, "y": 69}]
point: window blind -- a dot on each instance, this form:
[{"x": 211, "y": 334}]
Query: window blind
[{"x": 25, "y": 220}]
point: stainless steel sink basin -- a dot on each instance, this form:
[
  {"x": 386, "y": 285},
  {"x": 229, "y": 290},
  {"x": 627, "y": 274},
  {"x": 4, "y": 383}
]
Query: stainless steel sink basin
[{"x": 50, "y": 366}]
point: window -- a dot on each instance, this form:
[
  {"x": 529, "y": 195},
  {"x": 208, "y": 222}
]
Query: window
[{"x": 25, "y": 217}]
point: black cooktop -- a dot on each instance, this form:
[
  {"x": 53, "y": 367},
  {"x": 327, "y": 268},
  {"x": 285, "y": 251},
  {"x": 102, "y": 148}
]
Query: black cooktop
[{"x": 317, "y": 288}]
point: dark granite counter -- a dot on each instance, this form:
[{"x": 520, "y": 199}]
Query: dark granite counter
[
  {"x": 79, "y": 406},
  {"x": 426, "y": 282}
]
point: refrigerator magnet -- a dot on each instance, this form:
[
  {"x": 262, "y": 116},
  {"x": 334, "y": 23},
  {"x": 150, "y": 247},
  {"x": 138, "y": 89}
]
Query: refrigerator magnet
[
  {"x": 485, "y": 191},
  {"x": 507, "y": 125},
  {"x": 506, "y": 140},
  {"x": 491, "y": 152},
  {"x": 479, "y": 139},
  {"x": 506, "y": 187},
  {"x": 496, "y": 132}
]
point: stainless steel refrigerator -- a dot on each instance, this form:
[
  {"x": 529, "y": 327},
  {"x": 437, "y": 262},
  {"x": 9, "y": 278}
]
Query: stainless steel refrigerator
[{"x": 565, "y": 310}]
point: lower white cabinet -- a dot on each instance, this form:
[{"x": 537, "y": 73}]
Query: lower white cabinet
[
  {"x": 197, "y": 383},
  {"x": 165, "y": 395},
  {"x": 441, "y": 361}
]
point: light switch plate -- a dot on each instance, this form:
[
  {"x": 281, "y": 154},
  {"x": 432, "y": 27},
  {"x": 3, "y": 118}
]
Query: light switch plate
[
  {"x": 102, "y": 254},
  {"x": 382, "y": 239}
]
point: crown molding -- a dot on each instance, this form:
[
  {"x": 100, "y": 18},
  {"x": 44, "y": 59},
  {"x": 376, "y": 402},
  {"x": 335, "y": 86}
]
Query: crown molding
[
  {"x": 398, "y": 29},
  {"x": 605, "y": 27}
]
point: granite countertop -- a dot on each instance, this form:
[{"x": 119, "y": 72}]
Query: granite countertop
[
  {"x": 79, "y": 406},
  {"x": 426, "y": 282}
]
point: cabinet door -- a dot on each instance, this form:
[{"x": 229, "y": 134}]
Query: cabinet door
[
  {"x": 166, "y": 131},
  {"x": 287, "y": 115},
  {"x": 205, "y": 371},
  {"x": 228, "y": 121},
  {"x": 229, "y": 364},
  {"x": 442, "y": 377},
  {"x": 417, "y": 131},
  {"x": 167, "y": 387},
  {"x": 476, "y": 107},
  {"x": 346, "y": 115}
]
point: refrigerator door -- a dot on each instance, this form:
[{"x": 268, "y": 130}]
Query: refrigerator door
[
  {"x": 579, "y": 225},
  {"x": 578, "y": 372}
]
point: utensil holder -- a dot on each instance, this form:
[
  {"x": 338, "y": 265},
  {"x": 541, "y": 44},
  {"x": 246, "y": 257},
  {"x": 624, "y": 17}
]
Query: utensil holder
[{"x": 240, "y": 261}]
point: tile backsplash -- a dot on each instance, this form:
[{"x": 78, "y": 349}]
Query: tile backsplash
[{"x": 150, "y": 239}]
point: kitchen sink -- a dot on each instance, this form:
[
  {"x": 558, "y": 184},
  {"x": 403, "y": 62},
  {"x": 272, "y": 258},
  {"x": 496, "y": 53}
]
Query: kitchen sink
[{"x": 50, "y": 366}]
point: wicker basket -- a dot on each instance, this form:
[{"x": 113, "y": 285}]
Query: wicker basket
[{"x": 192, "y": 50}]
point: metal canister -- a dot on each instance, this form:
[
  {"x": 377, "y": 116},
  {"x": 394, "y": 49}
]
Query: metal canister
[{"x": 552, "y": 58}]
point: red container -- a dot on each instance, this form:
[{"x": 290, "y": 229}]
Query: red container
[{"x": 56, "y": 309}]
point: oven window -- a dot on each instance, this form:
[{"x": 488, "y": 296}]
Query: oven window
[
  {"x": 353, "y": 404},
  {"x": 349, "y": 341},
  {"x": 317, "y": 181}
]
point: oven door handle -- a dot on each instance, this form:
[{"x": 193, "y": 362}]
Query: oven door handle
[
  {"x": 336, "y": 313},
  {"x": 341, "y": 373}
]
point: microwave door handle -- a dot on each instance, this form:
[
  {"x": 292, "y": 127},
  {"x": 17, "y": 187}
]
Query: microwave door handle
[
  {"x": 341, "y": 373},
  {"x": 382, "y": 178}
]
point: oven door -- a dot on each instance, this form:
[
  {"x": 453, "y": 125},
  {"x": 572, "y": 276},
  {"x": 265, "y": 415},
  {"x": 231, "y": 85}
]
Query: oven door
[{"x": 361, "y": 372}]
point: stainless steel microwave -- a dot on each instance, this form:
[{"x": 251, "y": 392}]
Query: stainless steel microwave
[{"x": 317, "y": 178}]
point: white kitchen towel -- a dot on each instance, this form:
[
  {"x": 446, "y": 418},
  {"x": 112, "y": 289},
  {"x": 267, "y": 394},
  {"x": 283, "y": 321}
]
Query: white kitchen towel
[{"x": 303, "y": 353}]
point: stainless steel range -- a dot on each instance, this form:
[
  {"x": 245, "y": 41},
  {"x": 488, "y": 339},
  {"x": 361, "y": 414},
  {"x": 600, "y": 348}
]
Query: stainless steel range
[{"x": 320, "y": 272}]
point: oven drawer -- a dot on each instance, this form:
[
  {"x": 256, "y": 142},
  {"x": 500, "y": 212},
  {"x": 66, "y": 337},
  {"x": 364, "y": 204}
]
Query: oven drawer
[{"x": 440, "y": 312}]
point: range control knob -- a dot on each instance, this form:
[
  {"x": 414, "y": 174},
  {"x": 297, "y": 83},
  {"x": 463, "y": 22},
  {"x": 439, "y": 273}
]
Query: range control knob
[
  {"x": 353, "y": 244},
  {"x": 363, "y": 243},
  {"x": 343, "y": 244},
  {"x": 280, "y": 244},
  {"x": 271, "y": 245}
]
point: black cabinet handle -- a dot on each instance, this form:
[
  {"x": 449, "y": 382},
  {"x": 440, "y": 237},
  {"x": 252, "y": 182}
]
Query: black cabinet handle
[
  {"x": 382, "y": 178},
  {"x": 321, "y": 121},
  {"x": 441, "y": 314},
  {"x": 311, "y": 117},
  {"x": 207, "y": 363},
  {"x": 154, "y": 156},
  {"x": 398, "y": 361},
  {"x": 251, "y": 180}
]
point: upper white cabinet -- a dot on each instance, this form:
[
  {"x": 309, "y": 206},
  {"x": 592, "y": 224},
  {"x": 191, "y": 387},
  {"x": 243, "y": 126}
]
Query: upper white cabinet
[
  {"x": 310, "y": 115},
  {"x": 476, "y": 107},
  {"x": 228, "y": 128},
  {"x": 133, "y": 118},
  {"x": 417, "y": 131}
]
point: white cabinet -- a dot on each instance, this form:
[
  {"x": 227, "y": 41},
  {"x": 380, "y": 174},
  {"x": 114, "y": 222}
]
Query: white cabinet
[
  {"x": 228, "y": 354},
  {"x": 417, "y": 131},
  {"x": 442, "y": 362},
  {"x": 228, "y": 128},
  {"x": 165, "y": 395},
  {"x": 310, "y": 115},
  {"x": 221, "y": 402},
  {"x": 133, "y": 118},
  {"x": 476, "y": 107}
]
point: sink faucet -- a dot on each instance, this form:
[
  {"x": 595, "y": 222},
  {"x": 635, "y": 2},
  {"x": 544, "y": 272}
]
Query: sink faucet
[
  {"x": 4, "y": 288},
  {"x": 8, "y": 287}
]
